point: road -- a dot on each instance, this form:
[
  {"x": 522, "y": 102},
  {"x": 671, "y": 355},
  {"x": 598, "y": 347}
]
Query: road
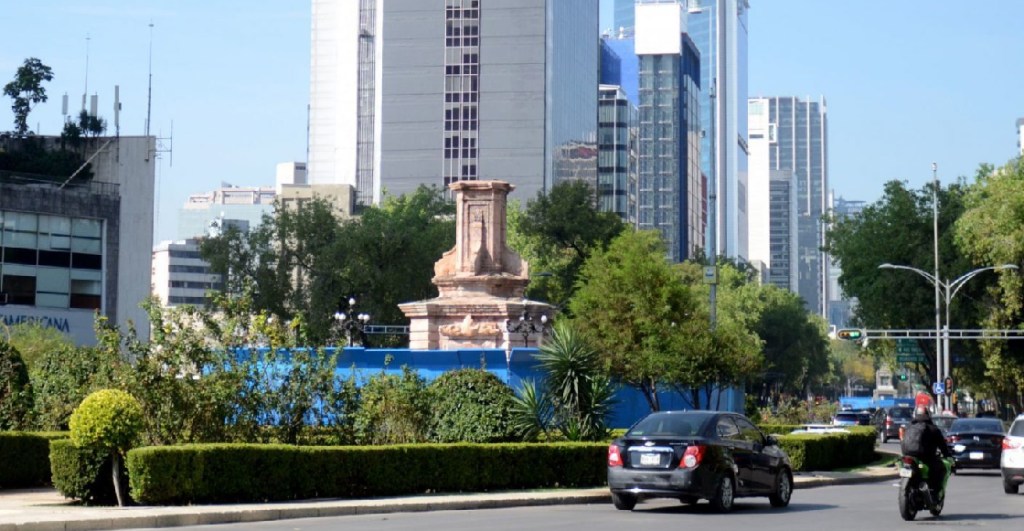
[{"x": 975, "y": 499}]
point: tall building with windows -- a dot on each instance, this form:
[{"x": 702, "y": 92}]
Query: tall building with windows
[
  {"x": 669, "y": 181},
  {"x": 790, "y": 135},
  {"x": 718, "y": 28},
  {"x": 70, "y": 249},
  {"x": 407, "y": 93},
  {"x": 841, "y": 307},
  {"x": 617, "y": 156}
]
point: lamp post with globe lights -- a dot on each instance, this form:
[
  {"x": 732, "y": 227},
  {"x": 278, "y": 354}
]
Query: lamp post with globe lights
[
  {"x": 526, "y": 325},
  {"x": 351, "y": 322}
]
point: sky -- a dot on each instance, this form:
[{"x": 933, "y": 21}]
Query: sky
[{"x": 907, "y": 83}]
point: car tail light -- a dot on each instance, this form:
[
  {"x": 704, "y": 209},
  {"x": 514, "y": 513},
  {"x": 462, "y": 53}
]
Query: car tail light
[
  {"x": 1010, "y": 444},
  {"x": 614, "y": 456},
  {"x": 952, "y": 439},
  {"x": 692, "y": 456},
  {"x": 888, "y": 421}
]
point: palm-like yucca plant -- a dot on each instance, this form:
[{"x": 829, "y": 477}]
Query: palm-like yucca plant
[
  {"x": 580, "y": 392},
  {"x": 531, "y": 412}
]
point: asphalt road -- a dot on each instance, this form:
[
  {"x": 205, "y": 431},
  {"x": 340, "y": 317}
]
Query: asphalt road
[{"x": 975, "y": 500}]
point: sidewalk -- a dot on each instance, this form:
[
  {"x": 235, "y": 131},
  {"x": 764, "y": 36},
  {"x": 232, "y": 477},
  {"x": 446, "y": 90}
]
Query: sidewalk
[{"x": 45, "y": 509}]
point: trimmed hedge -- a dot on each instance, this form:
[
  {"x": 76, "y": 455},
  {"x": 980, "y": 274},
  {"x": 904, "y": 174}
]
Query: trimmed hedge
[
  {"x": 82, "y": 473},
  {"x": 26, "y": 458},
  {"x": 828, "y": 451},
  {"x": 223, "y": 473}
]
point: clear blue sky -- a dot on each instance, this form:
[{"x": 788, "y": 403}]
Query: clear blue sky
[{"x": 907, "y": 82}]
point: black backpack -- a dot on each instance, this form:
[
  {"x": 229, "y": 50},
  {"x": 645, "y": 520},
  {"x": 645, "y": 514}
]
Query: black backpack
[{"x": 913, "y": 440}]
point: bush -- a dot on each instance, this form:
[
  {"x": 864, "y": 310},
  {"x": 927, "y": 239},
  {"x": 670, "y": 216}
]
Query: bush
[
  {"x": 470, "y": 405},
  {"x": 828, "y": 451},
  {"x": 25, "y": 458},
  {"x": 224, "y": 473},
  {"x": 109, "y": 419},
  {"x": 15, "y": 391},
  {"x": 393, "y": 409},
  {"x": 63, "y": 377},
  {"x": 82, "y": 473}
]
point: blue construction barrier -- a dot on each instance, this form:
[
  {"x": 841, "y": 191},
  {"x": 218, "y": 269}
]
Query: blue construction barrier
[{"x": 630, "y": 404}]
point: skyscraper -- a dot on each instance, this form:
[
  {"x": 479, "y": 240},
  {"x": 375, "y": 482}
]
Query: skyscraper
[
  {"x": 791, "y": 135},
  {"x": 617, "y": 143},
  {"x": 669, "y": 195},
  {"x": 840, "y": 308},
  {"x": 718, "y": 28},
  {"x": 407, "y": 92}
]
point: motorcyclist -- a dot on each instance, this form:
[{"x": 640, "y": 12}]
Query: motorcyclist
[{"x": 923, "y": 440}]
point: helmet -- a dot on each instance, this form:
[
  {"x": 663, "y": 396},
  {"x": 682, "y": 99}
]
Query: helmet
[{"x": 921, "y": 413}]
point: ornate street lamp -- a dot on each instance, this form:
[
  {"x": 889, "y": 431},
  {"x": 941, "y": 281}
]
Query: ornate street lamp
[
  {"x": 351, "y": 322},
  {"x": 525, "y": 325}
]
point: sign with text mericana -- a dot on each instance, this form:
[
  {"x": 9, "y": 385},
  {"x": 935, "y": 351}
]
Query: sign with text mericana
[{"x": 76, "y": 324}]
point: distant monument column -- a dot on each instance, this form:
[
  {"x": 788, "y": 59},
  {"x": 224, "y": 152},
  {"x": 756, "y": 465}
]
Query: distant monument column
[{"x": 481, "y": 282}]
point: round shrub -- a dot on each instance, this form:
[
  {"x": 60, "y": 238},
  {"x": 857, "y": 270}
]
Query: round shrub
[
  {"x": 15, "y": 392},
  {"x": 470, "y": 405},
  {"x": 109, "y": 419}
]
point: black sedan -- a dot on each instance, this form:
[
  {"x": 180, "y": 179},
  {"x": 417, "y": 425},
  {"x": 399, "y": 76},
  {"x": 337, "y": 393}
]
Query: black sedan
[
  {"x": 693, "y": 455},
  {"x": 976, "y": 443}
]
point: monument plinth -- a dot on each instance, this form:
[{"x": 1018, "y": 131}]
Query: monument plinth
[{"x": 481, "y": 282}]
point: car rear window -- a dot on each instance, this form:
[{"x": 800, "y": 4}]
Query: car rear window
[
  {"x": 1017, "y": 430},
  {"x": 977, "y": 425},
  {"x": 901, "y": 412},
  {"x": 678, "y": 424}
]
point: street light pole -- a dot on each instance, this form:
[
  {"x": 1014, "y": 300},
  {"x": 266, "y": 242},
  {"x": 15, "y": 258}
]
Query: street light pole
[
  {"x": 950, "y": 288},
  {"x": 938, "y": 330},
  {"x": 351, "y": 322}
]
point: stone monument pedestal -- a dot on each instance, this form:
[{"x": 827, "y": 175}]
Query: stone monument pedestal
[{"x": 481, "y": 282}]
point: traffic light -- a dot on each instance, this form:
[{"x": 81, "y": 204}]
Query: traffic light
[
  {"x": 903, "y": 376},
  {"x": 850, "y": 334}
]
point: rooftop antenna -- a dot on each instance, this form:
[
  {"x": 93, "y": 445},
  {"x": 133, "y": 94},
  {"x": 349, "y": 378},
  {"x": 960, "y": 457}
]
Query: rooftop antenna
[
  {"x": 149, "y": 92},
  {"x": 86, "y": 91}
]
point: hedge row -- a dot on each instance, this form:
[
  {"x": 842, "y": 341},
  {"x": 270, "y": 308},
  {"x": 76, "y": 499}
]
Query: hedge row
[
  {"x": 83, "y": 474},
  {"x": 223, "y": 473},
  {"x": 25, "y": 458},
  {"x": 828, "y": 451}
]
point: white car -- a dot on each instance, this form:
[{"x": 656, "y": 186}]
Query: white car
[{"x": 1011, "y": 464}]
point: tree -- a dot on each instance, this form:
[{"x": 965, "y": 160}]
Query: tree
[
  {"x": 898, "y": 229},
  {"x": 557, "y": 233},
  {"x": 27, "y": 90},
  {"x": 34, "y": 340},
  {"x": 990, "y": 233},
  {"x": 15, "y": 389},
  {"x": 631, "y": 303},
  {"x": 111, "y": 420},
  {"x": 63, "y": 376},
  {"x": 796, "y": 348}
]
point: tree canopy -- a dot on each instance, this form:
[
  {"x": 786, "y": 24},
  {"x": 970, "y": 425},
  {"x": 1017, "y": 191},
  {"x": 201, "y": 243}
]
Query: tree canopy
[{"x": 26, "y": 90}]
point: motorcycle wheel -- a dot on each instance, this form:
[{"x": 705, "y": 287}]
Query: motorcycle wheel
[
  {"x": 937, "y": 508},
  {"x": 907, "y": 509}
]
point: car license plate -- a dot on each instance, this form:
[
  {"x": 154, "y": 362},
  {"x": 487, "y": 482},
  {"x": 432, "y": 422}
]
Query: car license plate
[
  {"x": 650, "y": 459},
  {"x": 977, "y": 455},
  {"x": 906, "y": 472}
]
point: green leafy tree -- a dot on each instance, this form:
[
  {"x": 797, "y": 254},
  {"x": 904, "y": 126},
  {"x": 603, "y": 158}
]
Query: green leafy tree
[
  {"x": 990, "y": 233},
  {"x": 470, "y": 405},
  {"x": 557, "y": 233},
  {"x": 388, "y": 253},
  {"x": 110, "y": 420},
  {"x": 898, "y": 229},
  {"x": 15, "y": 390},
  {"x": 632, "y": 304},
  {"x": 63, "y": 376},
  {"x": 34, "y": 340},
  {"x": 796, "y": 347},
  {"x": 26, "y": 90}
]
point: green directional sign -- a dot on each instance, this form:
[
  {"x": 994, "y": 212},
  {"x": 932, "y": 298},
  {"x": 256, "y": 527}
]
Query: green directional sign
[
  {"x": 908, "y": 346},
  {"x": 909, "y": 358}
]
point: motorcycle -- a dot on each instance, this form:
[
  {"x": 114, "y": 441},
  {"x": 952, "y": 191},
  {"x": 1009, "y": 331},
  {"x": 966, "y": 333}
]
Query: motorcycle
[{"x": 914, "y": 494}]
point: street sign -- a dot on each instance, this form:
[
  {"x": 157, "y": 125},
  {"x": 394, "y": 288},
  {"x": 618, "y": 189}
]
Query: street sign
[
  {"x": 710, "y": 274},
  {"x": 938, "y": 388},
  {"x": 909, "y": 358},
  {"x": 908, "y": 346}
]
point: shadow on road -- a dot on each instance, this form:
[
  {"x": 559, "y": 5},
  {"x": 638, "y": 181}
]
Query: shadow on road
[
  {"x": 956, "y": 517},
  {"x": 745, "y": 508}
]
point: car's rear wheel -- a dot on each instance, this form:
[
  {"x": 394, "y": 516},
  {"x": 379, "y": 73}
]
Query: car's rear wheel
[
  {"x": 783, "y": 489},
  {"x": 623, "y": 501},
  {"x": 1009, "y": 487},
  {"x": 725, "y": 495}
]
